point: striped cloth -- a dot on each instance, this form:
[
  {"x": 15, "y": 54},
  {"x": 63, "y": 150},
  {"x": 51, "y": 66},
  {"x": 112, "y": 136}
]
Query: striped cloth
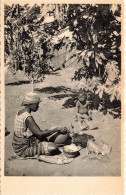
[
  {"x": 29, "y": 147},
  {"x": 20, "y": 127}
]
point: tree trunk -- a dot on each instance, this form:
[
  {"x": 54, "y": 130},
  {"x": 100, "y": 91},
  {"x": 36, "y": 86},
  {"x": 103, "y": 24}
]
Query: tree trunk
[
  {"x": 32, "y": 82},
  {"x": 94, "y": 61}
]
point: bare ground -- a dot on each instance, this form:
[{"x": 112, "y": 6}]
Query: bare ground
[{"x": 56, "y": 109}]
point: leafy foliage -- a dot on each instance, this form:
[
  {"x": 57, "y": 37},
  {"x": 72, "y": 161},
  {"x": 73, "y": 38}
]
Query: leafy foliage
[
  {"x": 25, "y": 44},
  {"x": 96, "y": 29},
  {"x": 33, "y": 34}
]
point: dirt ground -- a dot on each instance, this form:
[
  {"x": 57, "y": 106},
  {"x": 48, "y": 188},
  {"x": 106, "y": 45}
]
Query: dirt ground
[{"x": 56, "y": 109}]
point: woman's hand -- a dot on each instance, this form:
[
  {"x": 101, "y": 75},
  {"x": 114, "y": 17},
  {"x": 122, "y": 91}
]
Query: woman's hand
[{"x": 63, "y": 130}]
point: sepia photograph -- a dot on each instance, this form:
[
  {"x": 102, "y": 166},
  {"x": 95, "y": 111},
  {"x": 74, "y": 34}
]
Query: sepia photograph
[{"x": 62, "y": 80}]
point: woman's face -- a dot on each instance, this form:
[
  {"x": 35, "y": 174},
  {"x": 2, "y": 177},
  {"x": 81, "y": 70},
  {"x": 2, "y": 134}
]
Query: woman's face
[{"x": 34, "y": 107}]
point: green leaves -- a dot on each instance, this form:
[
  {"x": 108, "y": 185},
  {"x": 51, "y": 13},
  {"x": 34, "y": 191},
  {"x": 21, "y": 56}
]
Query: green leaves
[{"x": 100, "y": 90}]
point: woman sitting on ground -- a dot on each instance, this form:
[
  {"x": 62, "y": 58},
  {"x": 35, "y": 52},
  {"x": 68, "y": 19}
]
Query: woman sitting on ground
[{"x": 29, "y": 140}]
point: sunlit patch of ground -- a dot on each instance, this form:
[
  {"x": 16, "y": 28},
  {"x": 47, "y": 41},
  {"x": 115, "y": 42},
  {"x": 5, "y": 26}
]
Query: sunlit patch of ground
[{"x": 56, "y": 91}]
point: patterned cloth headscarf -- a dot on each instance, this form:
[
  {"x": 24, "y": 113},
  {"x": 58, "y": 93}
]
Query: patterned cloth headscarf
[{"x": 31, "y": 98}]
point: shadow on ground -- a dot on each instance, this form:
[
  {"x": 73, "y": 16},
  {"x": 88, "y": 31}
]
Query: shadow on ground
[
  {"x": 54, "y": 73},
  {"x": 18, "y": 83},
  {"x": 50, "y": 90},
  {"x": 69, "y": 103}
]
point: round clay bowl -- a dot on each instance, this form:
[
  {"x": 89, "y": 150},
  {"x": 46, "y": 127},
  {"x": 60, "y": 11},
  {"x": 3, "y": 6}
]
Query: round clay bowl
[{"x": 70, "y": 153}]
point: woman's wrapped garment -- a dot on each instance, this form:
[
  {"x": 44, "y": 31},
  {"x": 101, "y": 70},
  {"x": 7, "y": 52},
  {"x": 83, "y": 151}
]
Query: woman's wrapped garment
[{"x": 29, "y": 147}]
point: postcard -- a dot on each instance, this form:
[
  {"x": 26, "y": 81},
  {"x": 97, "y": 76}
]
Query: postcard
[{"x": 62, "y": 97}]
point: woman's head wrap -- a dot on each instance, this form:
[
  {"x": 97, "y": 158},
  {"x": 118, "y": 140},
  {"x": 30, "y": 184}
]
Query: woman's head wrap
[{"x": 31, "y": 98}]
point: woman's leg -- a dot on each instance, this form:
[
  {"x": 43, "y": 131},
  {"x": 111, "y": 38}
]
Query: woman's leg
[
  {"x": 42, "y": 148},
  {"x": 32, "y": 147}
]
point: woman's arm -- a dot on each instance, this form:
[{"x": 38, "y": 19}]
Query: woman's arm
[{"x": 31, "y": 124}]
